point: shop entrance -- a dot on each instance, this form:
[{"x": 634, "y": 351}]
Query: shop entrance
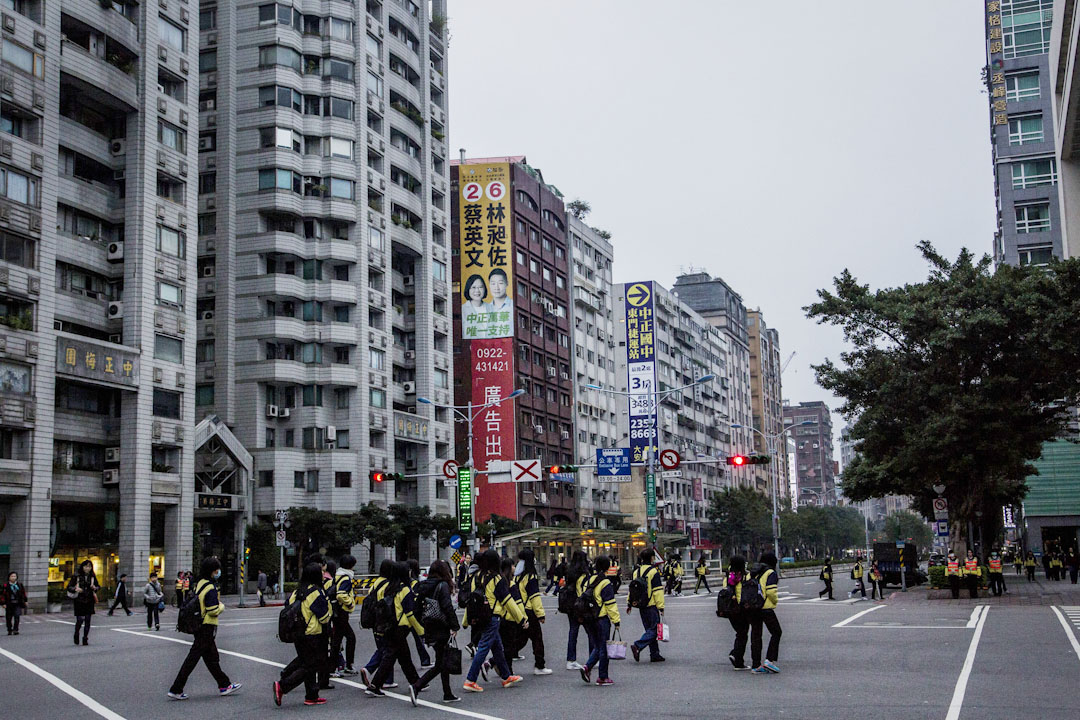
[{"x": 215, "y": 535}]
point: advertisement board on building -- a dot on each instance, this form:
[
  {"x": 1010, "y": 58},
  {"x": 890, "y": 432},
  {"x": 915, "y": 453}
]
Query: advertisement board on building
[
  {"x": 641, "y": 370},
  {"x": 699, "y": 490},
  {"x": 91, "y": 361},
  {"x": 493, "y": 430},
  {"x": 486, "y": 252}
]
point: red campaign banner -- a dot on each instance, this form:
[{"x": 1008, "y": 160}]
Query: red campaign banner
[
  {"x": 695, "y": 536},
  {"x": 699, "y": 490},
  {"x": 493, "y": 430}
]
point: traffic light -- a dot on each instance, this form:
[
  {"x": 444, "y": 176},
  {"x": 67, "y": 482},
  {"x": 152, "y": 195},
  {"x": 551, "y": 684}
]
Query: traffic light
[
  {"x": 247, "y": 554},
  {"x": 560, "y": 469},
  {"x": 377, "y": 477},
  {"x": 740, "y": 460}
]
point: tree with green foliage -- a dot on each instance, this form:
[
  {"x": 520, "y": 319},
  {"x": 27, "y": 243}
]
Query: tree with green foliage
[
  {"x": 376, "y": 527},
  {"x": 957, "y": 380},
  {"x": 906, "y": 525},
  {"x": 740, "y": 519},
  {"x": 443, "y": 527},
  {"x": 498, "y": 526},
  {"x": 819, "y": 531},
  {"x": 579, "y": 208}
]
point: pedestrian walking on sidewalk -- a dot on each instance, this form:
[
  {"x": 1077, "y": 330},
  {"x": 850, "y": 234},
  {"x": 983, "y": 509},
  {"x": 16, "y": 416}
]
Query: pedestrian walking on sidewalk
[
  {"x": 1018, "y": 561},
  {"x": 1029, "y": 566},
  {"x": 153, "y": 599},
  {"x": 262, "y": 585},
  {"x": 315, "y": 613},
  {"x": 826, "y": 576},
  {"x": 702, "y": 573},
  {"x": 1073, "y": 562},
  {"x": 857, "y": 576},
  {"x": 204, "y": 646},
  {"x": 765, "y": 575},
  {"x": 557, "y": 575},
  {"x": 120, "y": 596},
  {"x": 82, "y": 589},
  {"x": 13, "y": 597},
  {"x": 876, "y": 591}
]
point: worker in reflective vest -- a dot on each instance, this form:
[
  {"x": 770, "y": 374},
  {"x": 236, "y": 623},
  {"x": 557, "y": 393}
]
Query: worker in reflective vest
[
  {"x": 997, "y": 575},
  {"x": 952, "y": 572},
  {"x": 972, "y": 574}
]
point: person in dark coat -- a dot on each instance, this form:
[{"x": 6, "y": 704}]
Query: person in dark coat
[
  {"x": 439, "y": 586},
  {"x": 82, "y": 589},
  {"x": 13, "y": 597},
  {"x": 120, "y": 596}
]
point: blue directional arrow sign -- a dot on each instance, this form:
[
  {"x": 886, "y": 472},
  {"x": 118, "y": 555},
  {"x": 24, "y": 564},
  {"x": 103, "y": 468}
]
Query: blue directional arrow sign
[{"x": 613, "y": 464}]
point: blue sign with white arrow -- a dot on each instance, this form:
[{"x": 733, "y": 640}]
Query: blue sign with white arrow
[
  {"x": 612, "y": 464},
  {"x": 455, "y": 542}
]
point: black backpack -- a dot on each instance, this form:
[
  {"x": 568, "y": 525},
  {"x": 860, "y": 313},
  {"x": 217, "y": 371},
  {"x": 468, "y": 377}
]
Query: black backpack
[
  {"x": 638, "y": 591},
  {"x": 291, "y": 624},
  {"x": 726, "y": 604},
  {"x": 566, "y": 599},
  {"x": 189, "y": 619},
  {"x": 378, "y": 615},
  {"x": 752, "y": 597},
  {"x": 477, "y": 609},
  {"x": 586, "y": 609}
]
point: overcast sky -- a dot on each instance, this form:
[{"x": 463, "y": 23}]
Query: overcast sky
[{"x": 772, "y": 144}]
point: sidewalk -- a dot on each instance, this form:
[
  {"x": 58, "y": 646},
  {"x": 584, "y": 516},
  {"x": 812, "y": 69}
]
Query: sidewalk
[{"x": 1020, "y": 592}]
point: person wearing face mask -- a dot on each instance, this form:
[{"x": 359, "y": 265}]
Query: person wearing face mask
[
  {"x": 204, "y": 646},
  {"x": 952, "y": 573},
  {"x": 528, "y": 583},
  {"x": 13, "y": 596}
]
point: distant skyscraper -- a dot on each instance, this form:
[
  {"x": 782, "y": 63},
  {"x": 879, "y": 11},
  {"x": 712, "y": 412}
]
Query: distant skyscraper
[{"x": 813, "y": 452}]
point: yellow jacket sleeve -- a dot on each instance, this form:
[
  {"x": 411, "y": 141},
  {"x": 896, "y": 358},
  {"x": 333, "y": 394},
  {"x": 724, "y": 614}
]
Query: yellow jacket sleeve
[
  {"x": 345, "y": 598},
  {"x": 529, "y": 589},
  {"x": 498, "y": 595},
  {"x": 404, "y": 603},
  {"x": 605, "y": 598}
]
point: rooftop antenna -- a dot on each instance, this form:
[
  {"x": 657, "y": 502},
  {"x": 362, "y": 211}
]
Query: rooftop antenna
[{"x": 461, "y": 153}]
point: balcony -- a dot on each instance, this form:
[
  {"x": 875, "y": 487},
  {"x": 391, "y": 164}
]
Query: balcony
[{"x": 97, "y": 72}]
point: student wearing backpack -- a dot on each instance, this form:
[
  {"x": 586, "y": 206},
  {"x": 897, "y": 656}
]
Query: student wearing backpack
[
  {"x": 396, "y": 641},
  {"x": 421, "y": 651},
  {"x": 599, "y": 626},
  {"x": 346, "y": 603},
  {"x": 511, "y": 634},
  {"x": 83, "y": 591},
  {"x": 765, "y": 575},
  {"x": 647, "y": 594},
  {"x": 386, "y": 571},
  {"x": 204, "y": 646},
  {"x": 152, "y": 595},
  {"x": 558, "y": 573},
  {"x": 326, "y": 634},
  {"x": 876, "y": 591},
  {"x": 579, "y": 567},
  {"x": 702, "y": 573},
  {"x": 735, "y": 579},
  {"x": 315, "y": 615},
  {"x": 826, "y": 577},
  {"x": 528, "y": 584},
  {"x": 439, "y": 587},
  {"x": 492, "y": 598},
  {"x": 857, "y": 576},
  {"x": 120, "y": 595}
]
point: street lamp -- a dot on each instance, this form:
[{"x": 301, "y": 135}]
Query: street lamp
[
  {"x": 468, "y": 416},
  {"x": 770, "y": 445},
  {"x": 658, "y": 397}
]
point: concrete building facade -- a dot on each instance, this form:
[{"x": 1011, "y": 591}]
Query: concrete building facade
[
  {"x": 767, "y": 401},
  {"x": 813, "y": 452}
]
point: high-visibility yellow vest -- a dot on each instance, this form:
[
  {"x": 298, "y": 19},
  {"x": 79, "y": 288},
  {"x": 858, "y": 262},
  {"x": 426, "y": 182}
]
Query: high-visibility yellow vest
[
  {"x": 971, "y": 567},
  {"x": 995, "y": 565},
  {"x": 953, "y": 568}
]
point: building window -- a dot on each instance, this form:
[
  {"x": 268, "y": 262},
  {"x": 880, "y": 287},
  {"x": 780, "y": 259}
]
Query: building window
[
  {"x": 343, "y": 479},
  {"x": 280, "y": 137},
  {"x": 341, "y": 399},
  {"x": 168, "y": 348},
  {"x": 1032, "y": 173},
  {"x": 204, "y": 395},
  {"x": 298, "y": 479},
  {"x": 26, "y": 60},
  {"x": 170, "y": 242},
  {"x": 15, "y": 378},
  {"x": 17, "y": 122},
  {"x": 208, "y": 61},
  {"x": 1025, "y": 27},
  {"x": 1040, "y": 255},
  {"x": 171, "y": 295},
  {"x": 1025, "y": 129},
  {"x": 18, "y": 250},
  {"x": 1032, "y": 218},
  {"x": 442, "y": 379},
  {"x": 438, "y": 270},
  {"x": 1021, "y": 86},
  {"x": 377, "y": 398},
  {"x": 342, "y": 439},
  {"x": 172, "y": 35},
  {"x": 376, "y": 359},
  {"x": 271, "y": 55},
  {"x": 167, "y": 404},
  {"x": 18, "y": 187},
  {"x": 266, "y": 478},
  {"x": 204, "y": 351},
  {"x": 312, "y": 395}
]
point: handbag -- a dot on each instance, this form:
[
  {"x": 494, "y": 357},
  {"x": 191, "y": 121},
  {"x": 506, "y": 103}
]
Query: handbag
[
  {"x": 161, "y": 605},
  {"x": 663, "y": 632},
  {"x": 453, "y": 658},
  {"x": 616, "y": 649}
]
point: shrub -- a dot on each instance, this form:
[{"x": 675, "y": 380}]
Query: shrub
[{"x": 937, "y": 577}]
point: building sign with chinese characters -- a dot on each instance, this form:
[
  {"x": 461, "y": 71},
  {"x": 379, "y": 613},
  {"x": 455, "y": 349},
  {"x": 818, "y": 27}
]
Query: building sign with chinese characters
[
  {"x": 208, "y": 501},
  {"x": 465, "y": 499},
  {"x": 410, "y": 427},
  {"x": 493, "y": 428},
  {"x": 641, "y": 370},
  {"x": 91, "y": 361},
  {"x": 996, "y": 69},
  {"x": 486, "y": 252}
]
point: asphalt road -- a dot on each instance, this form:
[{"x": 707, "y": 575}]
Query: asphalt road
[{"x": 838, "y": 659}]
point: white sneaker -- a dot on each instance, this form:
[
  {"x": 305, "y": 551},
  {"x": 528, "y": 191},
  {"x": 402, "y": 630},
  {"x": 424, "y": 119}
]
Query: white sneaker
[
  {"x": 573, "y": 665},
  {"x": 541, "y": 671},
  {"x": 389, "y": 685}
]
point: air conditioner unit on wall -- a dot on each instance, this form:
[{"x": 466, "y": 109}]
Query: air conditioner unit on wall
[
  {"x": 271, "y": 411},
  {"x": 118, "y": 147},
  {"x": 331, "y": 432},
  {"x": 115, "y": 251},
  {"x": 408, "y": 387},
  {"x": 110, "y": 478},
  {"x": 116, "y": 310},
  {"x": 284, "y": 412},
  {"x": 112, "y": 455}
]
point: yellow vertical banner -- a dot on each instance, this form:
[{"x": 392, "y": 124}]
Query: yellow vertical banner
[{"x": 486, "y": 251}]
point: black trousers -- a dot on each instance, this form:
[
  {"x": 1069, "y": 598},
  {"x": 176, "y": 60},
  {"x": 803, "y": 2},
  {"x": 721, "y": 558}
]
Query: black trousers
[
  {"x": 954, "y": 586},
  {"x": 304, "y": 669},
  {"x": 876, "y": 590},
  {"x": 828, "y": 589},
  {"x": 328, "y": 664},
  {"x": 438, "y": 669},
  {"x": 152, "y": 614},
  {"x": 741, "y": 625},
  {"x": 513, "y": 640},
  {"x": 11, "y": 617},
  {"x": 702, "y": 579},
  {"x": 396, "y": 650},
  {"x": 121, "y": 600},
  {"x": 82, "y": 621},
  {"x": 860, "y": 586},
  {"x": 534, "y": 634},
  {"x": 1030, "y": 573},
  {"x": 997, "y": 583},
  {"x": 343, "y": 631},
  {"x": 768, "y": 619},
  {"x": 203, "y": 648},
  {"x": 973, "y": 585}
]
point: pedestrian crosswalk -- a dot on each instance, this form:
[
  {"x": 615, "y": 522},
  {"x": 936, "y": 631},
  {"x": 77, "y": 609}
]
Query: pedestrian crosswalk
[{"x": 1072, "y": 612}]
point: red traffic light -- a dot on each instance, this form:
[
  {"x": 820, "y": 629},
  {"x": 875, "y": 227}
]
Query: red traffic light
[
  {"x": 736, "y": 460},
  {"x": 378, "y": 477}
]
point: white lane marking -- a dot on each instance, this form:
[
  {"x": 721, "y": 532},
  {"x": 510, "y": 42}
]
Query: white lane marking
[
  {"x": 875, "y": 626},
  {"x": 961, "y": 682},
  {"x": 341, "y": 681},
  {"x": 975, "y": 612},
  {"x": 857, "y": 615},
  {"x": 1068, "y": 631},
  {"x": 65, "y": 622},
  {"x": 63, "y": 686}
]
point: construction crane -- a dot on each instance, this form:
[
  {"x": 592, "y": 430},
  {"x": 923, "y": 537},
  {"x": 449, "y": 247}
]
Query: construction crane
[{"x": 787, "y": 362}]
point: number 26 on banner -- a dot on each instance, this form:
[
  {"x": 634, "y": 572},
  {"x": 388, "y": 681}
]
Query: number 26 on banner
[{"x": 495, "y": 191}]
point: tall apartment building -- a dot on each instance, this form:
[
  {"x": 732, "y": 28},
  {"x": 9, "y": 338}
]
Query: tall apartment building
[
  {"x": 1021, "y": 91},
  {"x": 528, "y": 345},
  {"x": 813, "y": 452},
  {"x": 766, "y": 401},
  {"x": 690, "y": 421},
  {"x": 97, "y": 288},
  {"x": 723, "y": 308},
  {"x": 595, "y": 414},
  {"x": 322, "y": 250}
]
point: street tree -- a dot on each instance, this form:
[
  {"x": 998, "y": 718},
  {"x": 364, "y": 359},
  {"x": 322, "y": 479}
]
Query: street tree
[
  {"x": 376, "y": 527},
  {"x": 957, "y": 380},
  {"x": 740, "y": 519},
  {"x": 497, "y": 525},
  {"x": 906, "y": 525},
  {"x": 443, "y": 527}
]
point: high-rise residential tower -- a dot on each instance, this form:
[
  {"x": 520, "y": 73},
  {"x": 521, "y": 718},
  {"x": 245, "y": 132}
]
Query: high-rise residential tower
[
  {"x": 767, "y": 404},
  {"x": 813, "y": 452}
]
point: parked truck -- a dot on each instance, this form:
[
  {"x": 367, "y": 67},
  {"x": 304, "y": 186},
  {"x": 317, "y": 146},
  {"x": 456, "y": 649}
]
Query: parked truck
[{"x": 887, "y": 556}]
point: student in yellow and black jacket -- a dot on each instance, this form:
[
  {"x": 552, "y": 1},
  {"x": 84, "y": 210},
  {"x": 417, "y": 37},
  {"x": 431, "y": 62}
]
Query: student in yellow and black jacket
[
  {"x": 652, "y": 611},
  {"x": 500, "y": 607},
  {"x": 317, "y": 613},
  {"x": 599, "y": 630},
  {"x": 386, "y": 570},
  {"x": 421, "y": 650},
  {"x": 204, "y": 646},
  {"x": 765, "y": 573},
  {"x": 528, "y": 584},
  {"x": 701, "y": 571},
  {"x": 329, "y": 664},
  {"x": 396, "y": 643},
  {"x": 344, "y": 606},
  {"x": 740, "y": 621}
]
